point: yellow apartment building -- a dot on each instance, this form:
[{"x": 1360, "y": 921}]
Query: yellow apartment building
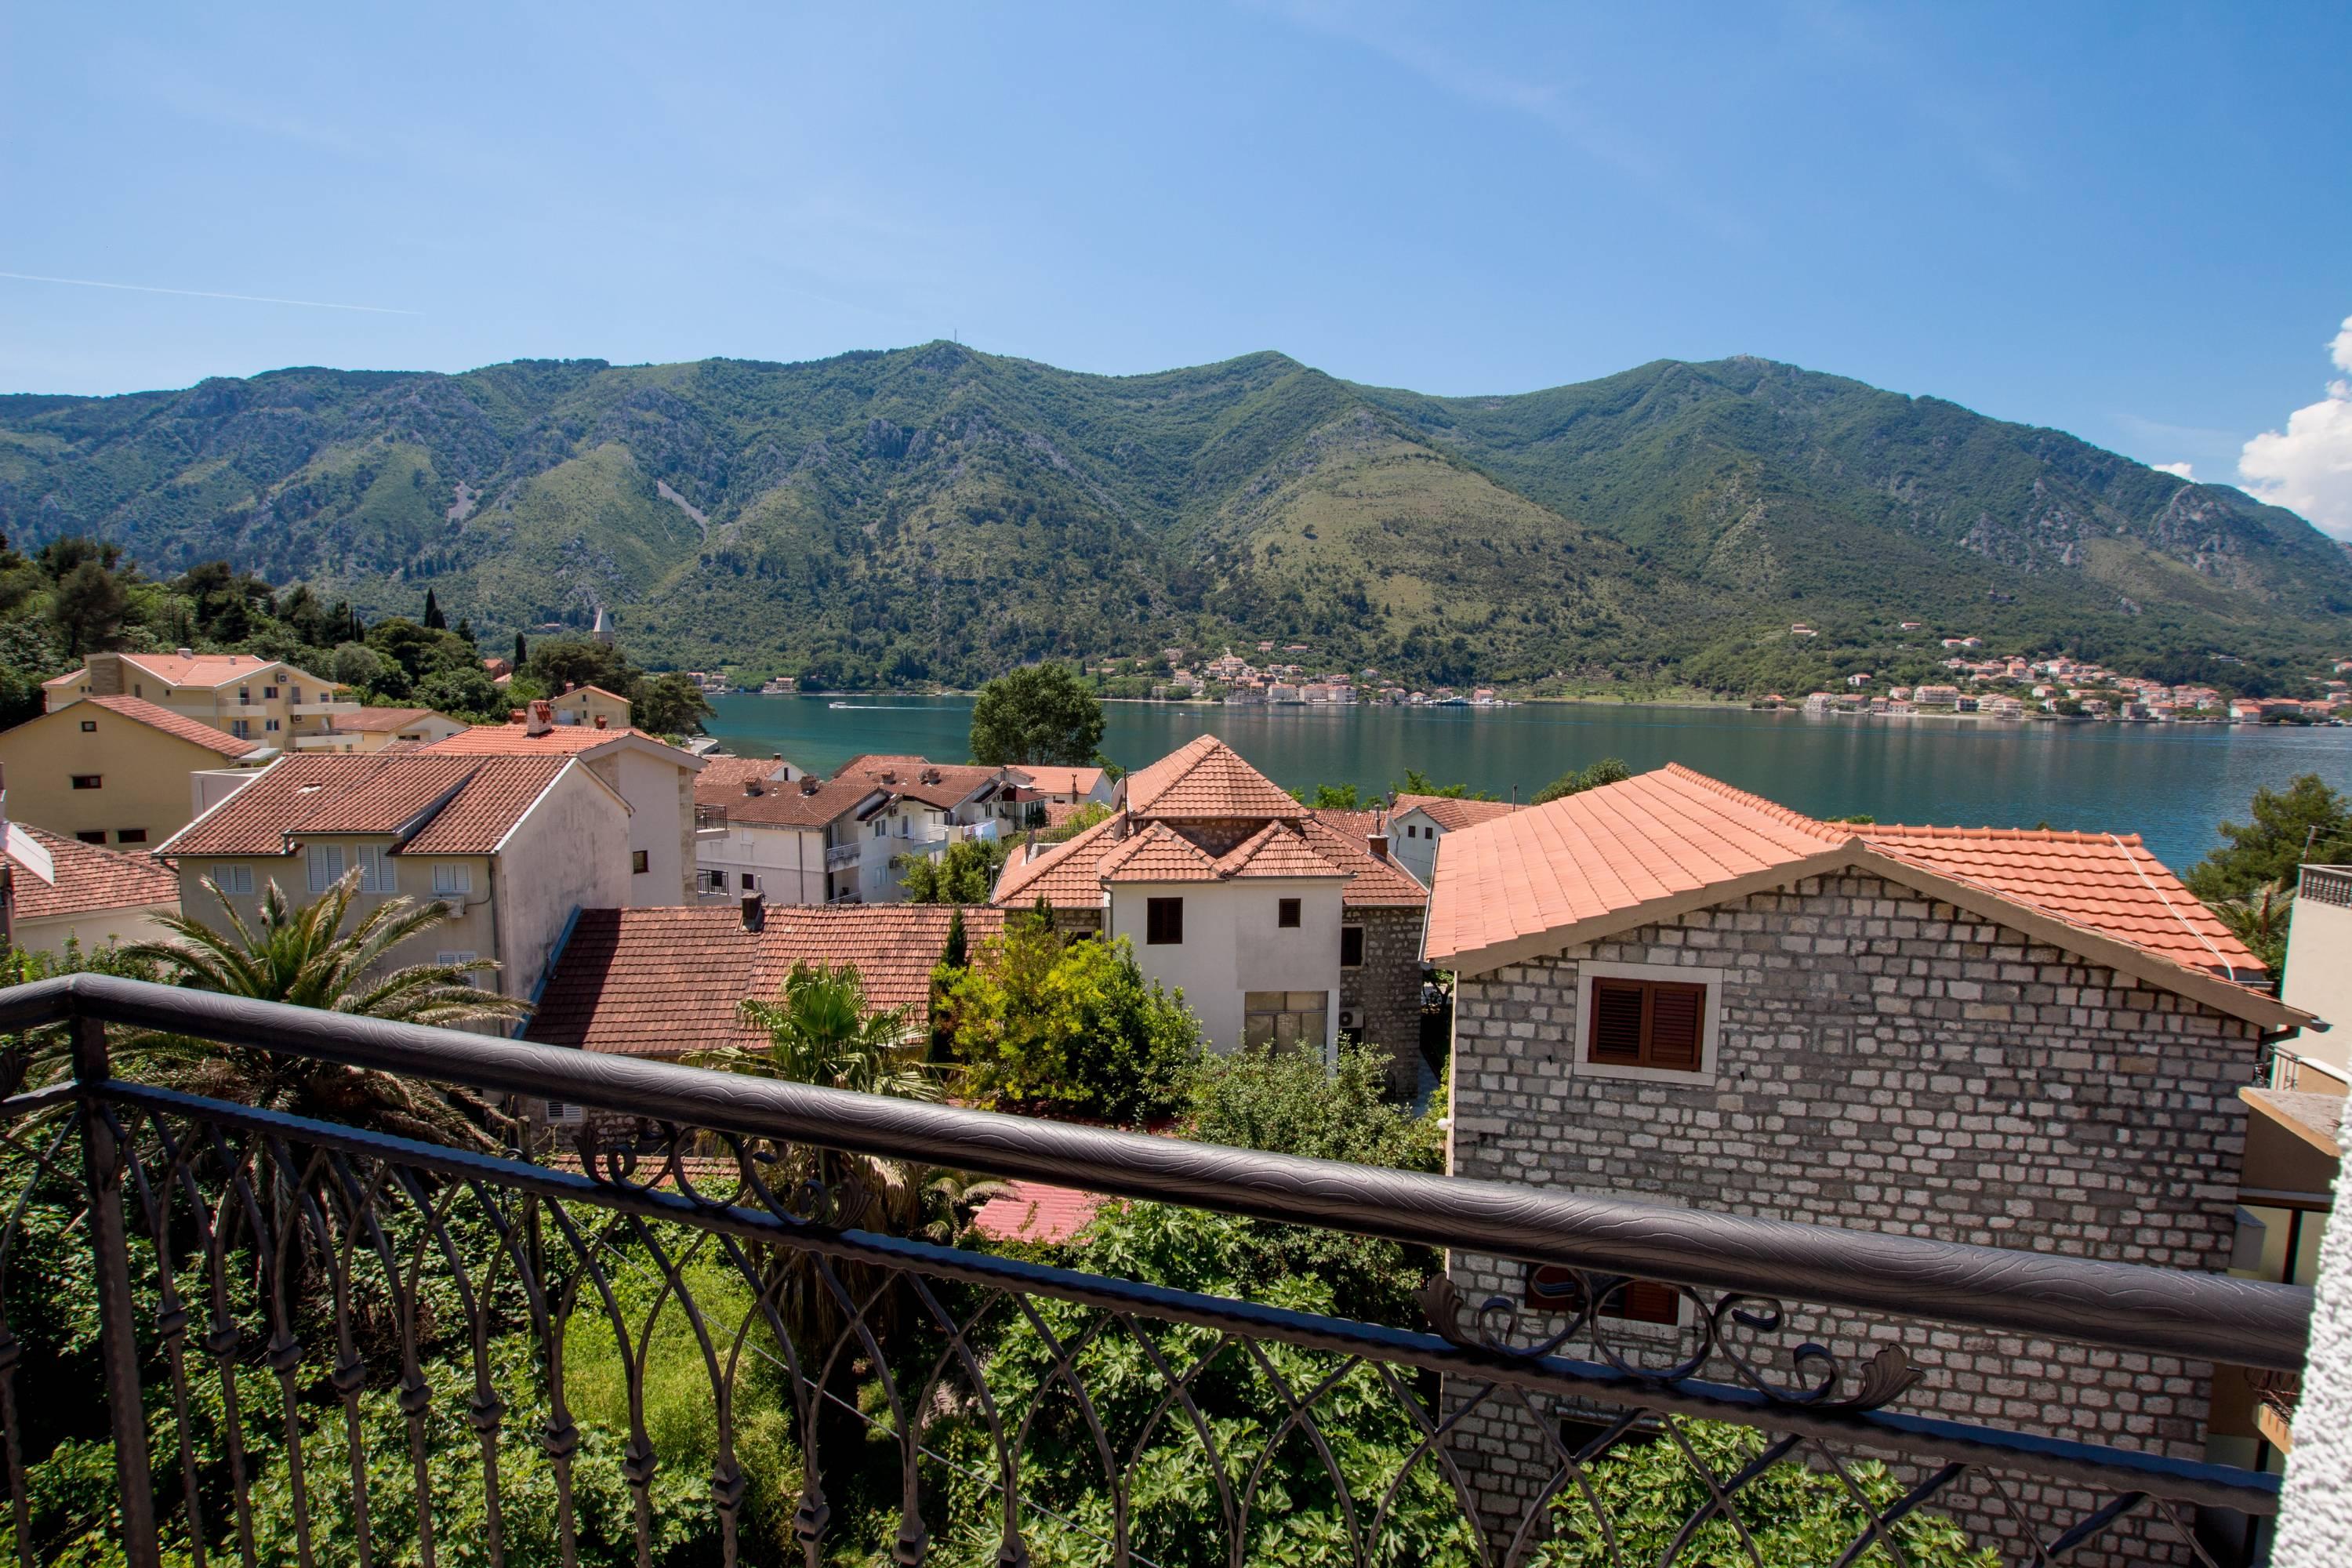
[
  {"x": 115, "y": 770},
  {"x": 591, "y": 705},
  {"x": 265, "y": 700}
]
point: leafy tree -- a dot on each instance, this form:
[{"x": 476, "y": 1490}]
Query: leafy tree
[
  {"x": 463, "y": 694},
  {"x": 521, "y": 652},
  {"x": 822, "y": 1029},
  {"x": 580, "y": 661},
  {"x": 1041, "y": 713},
  {"x": 1419, "y": 783},
  {"x": 963, "y": 873},
  {"x": 1576, "y": 781},
  {"x": 89, "y": 606},
  {"x": 1330, "y": 798},
  {"x": 434, "y": 621},
  {"x": 667, "y": 705},
  {"x": 1036, "y": 1021},
  {"x": 299, "y": 953},
  {"x": 1077, "y": 821},
  {"x": 356, "y": 663},
  {"x": 2259, "y": 918},
  {"x": 225, "y": 604},
  {"x": 2307, "y": 820},
  {"x": 957, "y": 952}
]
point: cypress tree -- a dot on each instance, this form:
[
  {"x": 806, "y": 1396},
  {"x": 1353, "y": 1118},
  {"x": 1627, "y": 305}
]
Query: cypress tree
[
  {"x": 434, "y": 621},
  {"x": 955, "y": 957},
  {"x": 523, "y": 652}
]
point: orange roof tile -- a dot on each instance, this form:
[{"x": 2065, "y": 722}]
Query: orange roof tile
[
  {"x": 662, "y": 982},
  {"x": 372, "y": 721},
  {"x": 1343, "y": 837},
  {"x": 2101, "y": 881},
  {"x": 447, "y": 806},
  {"x": 1158, "y": 854},
  {"x": 1062, "y": 874},
  {"x": 1206, "y": 778},
  {"x": 1451, "y": 812},
  {"x": 1054, "y": 780},
  {"x": 195, "y": 732},
  {"x": 914, "y": 778},
  {"x": 84, "y": 879},
  {"x": 1620, "y": 848},
  {"x": 1277, "y": 850},
  {"x": 203, "y": 669},
  {"x": 1037, "y": 1213},
  {"x": 728, "y": 782},
  {"x": 512, "y": 740}
]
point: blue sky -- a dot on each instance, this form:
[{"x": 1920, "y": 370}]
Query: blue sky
[{"x": 2132, "y": 222}]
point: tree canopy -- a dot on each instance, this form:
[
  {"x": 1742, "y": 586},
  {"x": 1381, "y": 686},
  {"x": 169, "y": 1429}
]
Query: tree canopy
[
  {"x": 1040, "y": 714},
  {"x": 1576, "y": 781},
  {"x": 2304, "y": 821}
]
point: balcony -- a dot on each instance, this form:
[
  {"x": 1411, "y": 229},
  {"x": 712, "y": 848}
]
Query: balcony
[
  {"x": 694, "y": 1334},
  {"x": 840, "y": 856},
  {"x": 710, "y": 821},
  {"x": 324, "y": 709}
]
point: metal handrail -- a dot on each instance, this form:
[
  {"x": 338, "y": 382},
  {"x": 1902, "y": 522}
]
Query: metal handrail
[{"x": 2122, "y": 1306}]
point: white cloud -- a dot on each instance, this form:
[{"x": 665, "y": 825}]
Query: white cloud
[
  {"x": 2307, "y": 467},
  {"x": 2182, "y": 470}
]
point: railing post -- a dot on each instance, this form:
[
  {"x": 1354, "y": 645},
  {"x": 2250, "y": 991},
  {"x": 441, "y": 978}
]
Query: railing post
[{"x": 102, "y": 1172}]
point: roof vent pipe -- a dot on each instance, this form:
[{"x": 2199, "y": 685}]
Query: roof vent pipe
[
  {"x": 755, "y": 913},
  {"x": 185, "y": 652}
]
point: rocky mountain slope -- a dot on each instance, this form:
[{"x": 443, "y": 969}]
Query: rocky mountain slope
[{"x": 936, "y": 514}]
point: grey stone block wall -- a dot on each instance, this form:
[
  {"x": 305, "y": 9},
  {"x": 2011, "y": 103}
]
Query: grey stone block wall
[
  {"x": 1886, "y": 1062},
  {"x": 1386, "y": 990}
]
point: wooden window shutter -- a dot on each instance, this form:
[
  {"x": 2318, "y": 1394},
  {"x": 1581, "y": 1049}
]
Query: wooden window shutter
[
  {"x": 1617, "y": 1020},
  {"x": 1677, "y": 1014}
]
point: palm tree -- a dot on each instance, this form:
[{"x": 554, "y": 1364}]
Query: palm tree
[
  {"x": 2259, "y": 918},
  {"x": 301, "y": 954},
  {"x": 822, "y": 1029}
]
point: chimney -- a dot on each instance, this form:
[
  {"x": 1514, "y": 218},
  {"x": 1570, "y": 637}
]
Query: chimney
[
  {"x": 809, "y": 784},
  {"x": 516, "y": 715},
  {"x": 755, "y": 913},
  {"x": 1378, "y": 840},
  {"x": 185, "y": 652},
  {"x": 540, "y": 720},
  {"x": 601, "y": 721}
]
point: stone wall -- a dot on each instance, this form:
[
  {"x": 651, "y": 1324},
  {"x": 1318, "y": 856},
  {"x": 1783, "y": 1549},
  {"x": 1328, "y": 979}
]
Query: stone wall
[
  {"x": 1386, "y": 990},
  {"x": 1886, "y": 1062}
]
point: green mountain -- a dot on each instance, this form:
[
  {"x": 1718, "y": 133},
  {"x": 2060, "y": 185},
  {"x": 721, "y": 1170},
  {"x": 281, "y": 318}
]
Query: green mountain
[{"x": 937, "y": 514}]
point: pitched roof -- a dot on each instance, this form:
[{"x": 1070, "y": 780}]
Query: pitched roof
[
  {"x": 915, "y": 778},
  {"x": 1451, "y": 812},
  {"x": 1158, "y": 854},
  {"x": 203, "y": 668},
  {"x": 660, "y": 982},
  {"x": 81, "y": 879},
  {"x": 1277, "y": 850},
  {"x": 727, "y": 782},
  {"x": 1344, "y": 838},
  {"x": 445, "y": 805},
  {"x": 372, "y": 721},
  {"x": 1206, "y": 778},
  {"x": 1062, "y": 874},
  {"x": 1666, "y": 842},
  {"x": 1057, "y": 780},
  {"x": 512, "y": 740},
  {"x": 2101, "y": 881},
  {"x": 1036, "y": 1212},
  {"x": 195, "y": 732}
]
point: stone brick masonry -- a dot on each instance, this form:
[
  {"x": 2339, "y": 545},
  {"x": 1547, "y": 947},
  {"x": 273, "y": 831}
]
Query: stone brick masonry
[
  {"x": 1891, "y": 1063},
  {"x": 1385, "y": 990}
]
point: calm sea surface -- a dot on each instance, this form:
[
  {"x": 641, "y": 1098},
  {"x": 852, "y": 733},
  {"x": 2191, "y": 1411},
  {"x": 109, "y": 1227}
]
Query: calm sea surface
[{"x": 2169, "y": 783}]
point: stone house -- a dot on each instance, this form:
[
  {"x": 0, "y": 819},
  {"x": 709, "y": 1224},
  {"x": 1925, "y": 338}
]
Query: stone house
[
  {"x": 1281, "y": 924},
  {"x": 1672, "y": 990}
]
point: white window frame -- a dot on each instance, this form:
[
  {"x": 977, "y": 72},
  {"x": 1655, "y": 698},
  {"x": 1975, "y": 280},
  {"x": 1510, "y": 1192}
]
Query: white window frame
[
  {"x": 461, "y": 955},
  {"x": 452, "y": 879},
  {"x": 378, "y": 872},
  {"x": 234, "y": 879},
  {"x": 1708, "y": 1075},
  {"x": 327, "y": 866}
]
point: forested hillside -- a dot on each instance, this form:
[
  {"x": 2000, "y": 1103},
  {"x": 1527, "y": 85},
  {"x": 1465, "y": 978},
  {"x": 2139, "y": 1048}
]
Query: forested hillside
[{"x": 936, "y": 515}]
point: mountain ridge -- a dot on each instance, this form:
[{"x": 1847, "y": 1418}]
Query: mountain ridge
[{"x": 933, "y": 514}]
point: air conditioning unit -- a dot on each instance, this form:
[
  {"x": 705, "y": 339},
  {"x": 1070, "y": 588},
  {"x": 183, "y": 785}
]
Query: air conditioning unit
[{"x": 1351, "y": 1019}]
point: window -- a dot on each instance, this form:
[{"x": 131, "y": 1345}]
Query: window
[
  {"x": 750, "y": 883},
  {"x": 233, "y": 878},
  {"x": 245, "y": 694},
  {"x": 452, "y": 879},
  {"x": 1287, "y": 1020},
  {"x": 711, "y": 881},
  {"x": 269, "y": 692},
  {"x": 1558, "y": 1290},
  {"x": 639, "y": 861},
  {"x": 88, "y": 781},
  {"x": 294, "y": 694},
  {"x": 90, "y": 726},
  {"x": 270, "y": 724},
  {"x": 1163, "y": 922},
  {"x": 378, "y": 872},
  {"x": 460, "y": 955},
  {"x": 1351, "y": 947},
  {"x": 1646, "y": 1024},
  {"x": 326, "y": 862},
  {"x": 241, "y": 728},
  {"x": 98, "y": 837},
  {"x": 1286, "y": 914},
  {"x": 131, "y": 836}
]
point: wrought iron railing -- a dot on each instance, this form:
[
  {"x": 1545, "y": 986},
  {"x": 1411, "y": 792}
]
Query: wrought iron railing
[{"x": 716, "y": 1330}]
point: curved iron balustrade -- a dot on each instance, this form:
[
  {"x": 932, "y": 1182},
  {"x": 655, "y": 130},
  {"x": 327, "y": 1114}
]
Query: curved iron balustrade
[{"x": 234, "y": 1244}]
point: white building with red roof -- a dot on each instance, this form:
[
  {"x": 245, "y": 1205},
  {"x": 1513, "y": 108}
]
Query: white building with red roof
[
  {"x": 1281, "y": 925},
  {"x": 1674, "y": 989}
]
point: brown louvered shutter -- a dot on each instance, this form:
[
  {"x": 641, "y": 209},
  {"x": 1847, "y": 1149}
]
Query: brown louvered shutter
[
  {"x": 1616, "y": 1033},
  {"x": 1676, "y": 1012}
]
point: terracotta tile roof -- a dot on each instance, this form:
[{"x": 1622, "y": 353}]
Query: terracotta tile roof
[
  {"x": 2101, "y": 881},
  {"x": 1605, "y": 851},
  {"x": 1206, "y": 778},
  {"x": 455, "y": 805},
  {"x": 1158, "y": 854},
  {"x": 1343, "y": 837},
  {"x": 1037, "y": 1213},
  {"x": 1277, "y": 850},
  {"x": 661, "y": 982},
  {"x": 1049, "y": 780},
  {"x": 203, "y": 669},
  {"x": 512, "y": 740},
  {"x": 373, "y": 721},
  {"x": 1451, "y": 813},
  {"x": 193, "y": 730},
  {"x": 726, "y": 782},
  {"x": 83, "y": 878},
  {"x": 1064, "y": 874},
  {"x": 1058, "y": 812},
  {"x": 914, "y": 778}
]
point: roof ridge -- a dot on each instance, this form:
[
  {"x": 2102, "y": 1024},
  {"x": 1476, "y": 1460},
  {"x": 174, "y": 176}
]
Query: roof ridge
[
  {"x": 2026, "y": 835},
  {"x": 1786, "y": 815}
]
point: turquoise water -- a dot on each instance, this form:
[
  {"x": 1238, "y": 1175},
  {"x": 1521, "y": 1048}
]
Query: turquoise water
[{"x": 2169, "y": 783}]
